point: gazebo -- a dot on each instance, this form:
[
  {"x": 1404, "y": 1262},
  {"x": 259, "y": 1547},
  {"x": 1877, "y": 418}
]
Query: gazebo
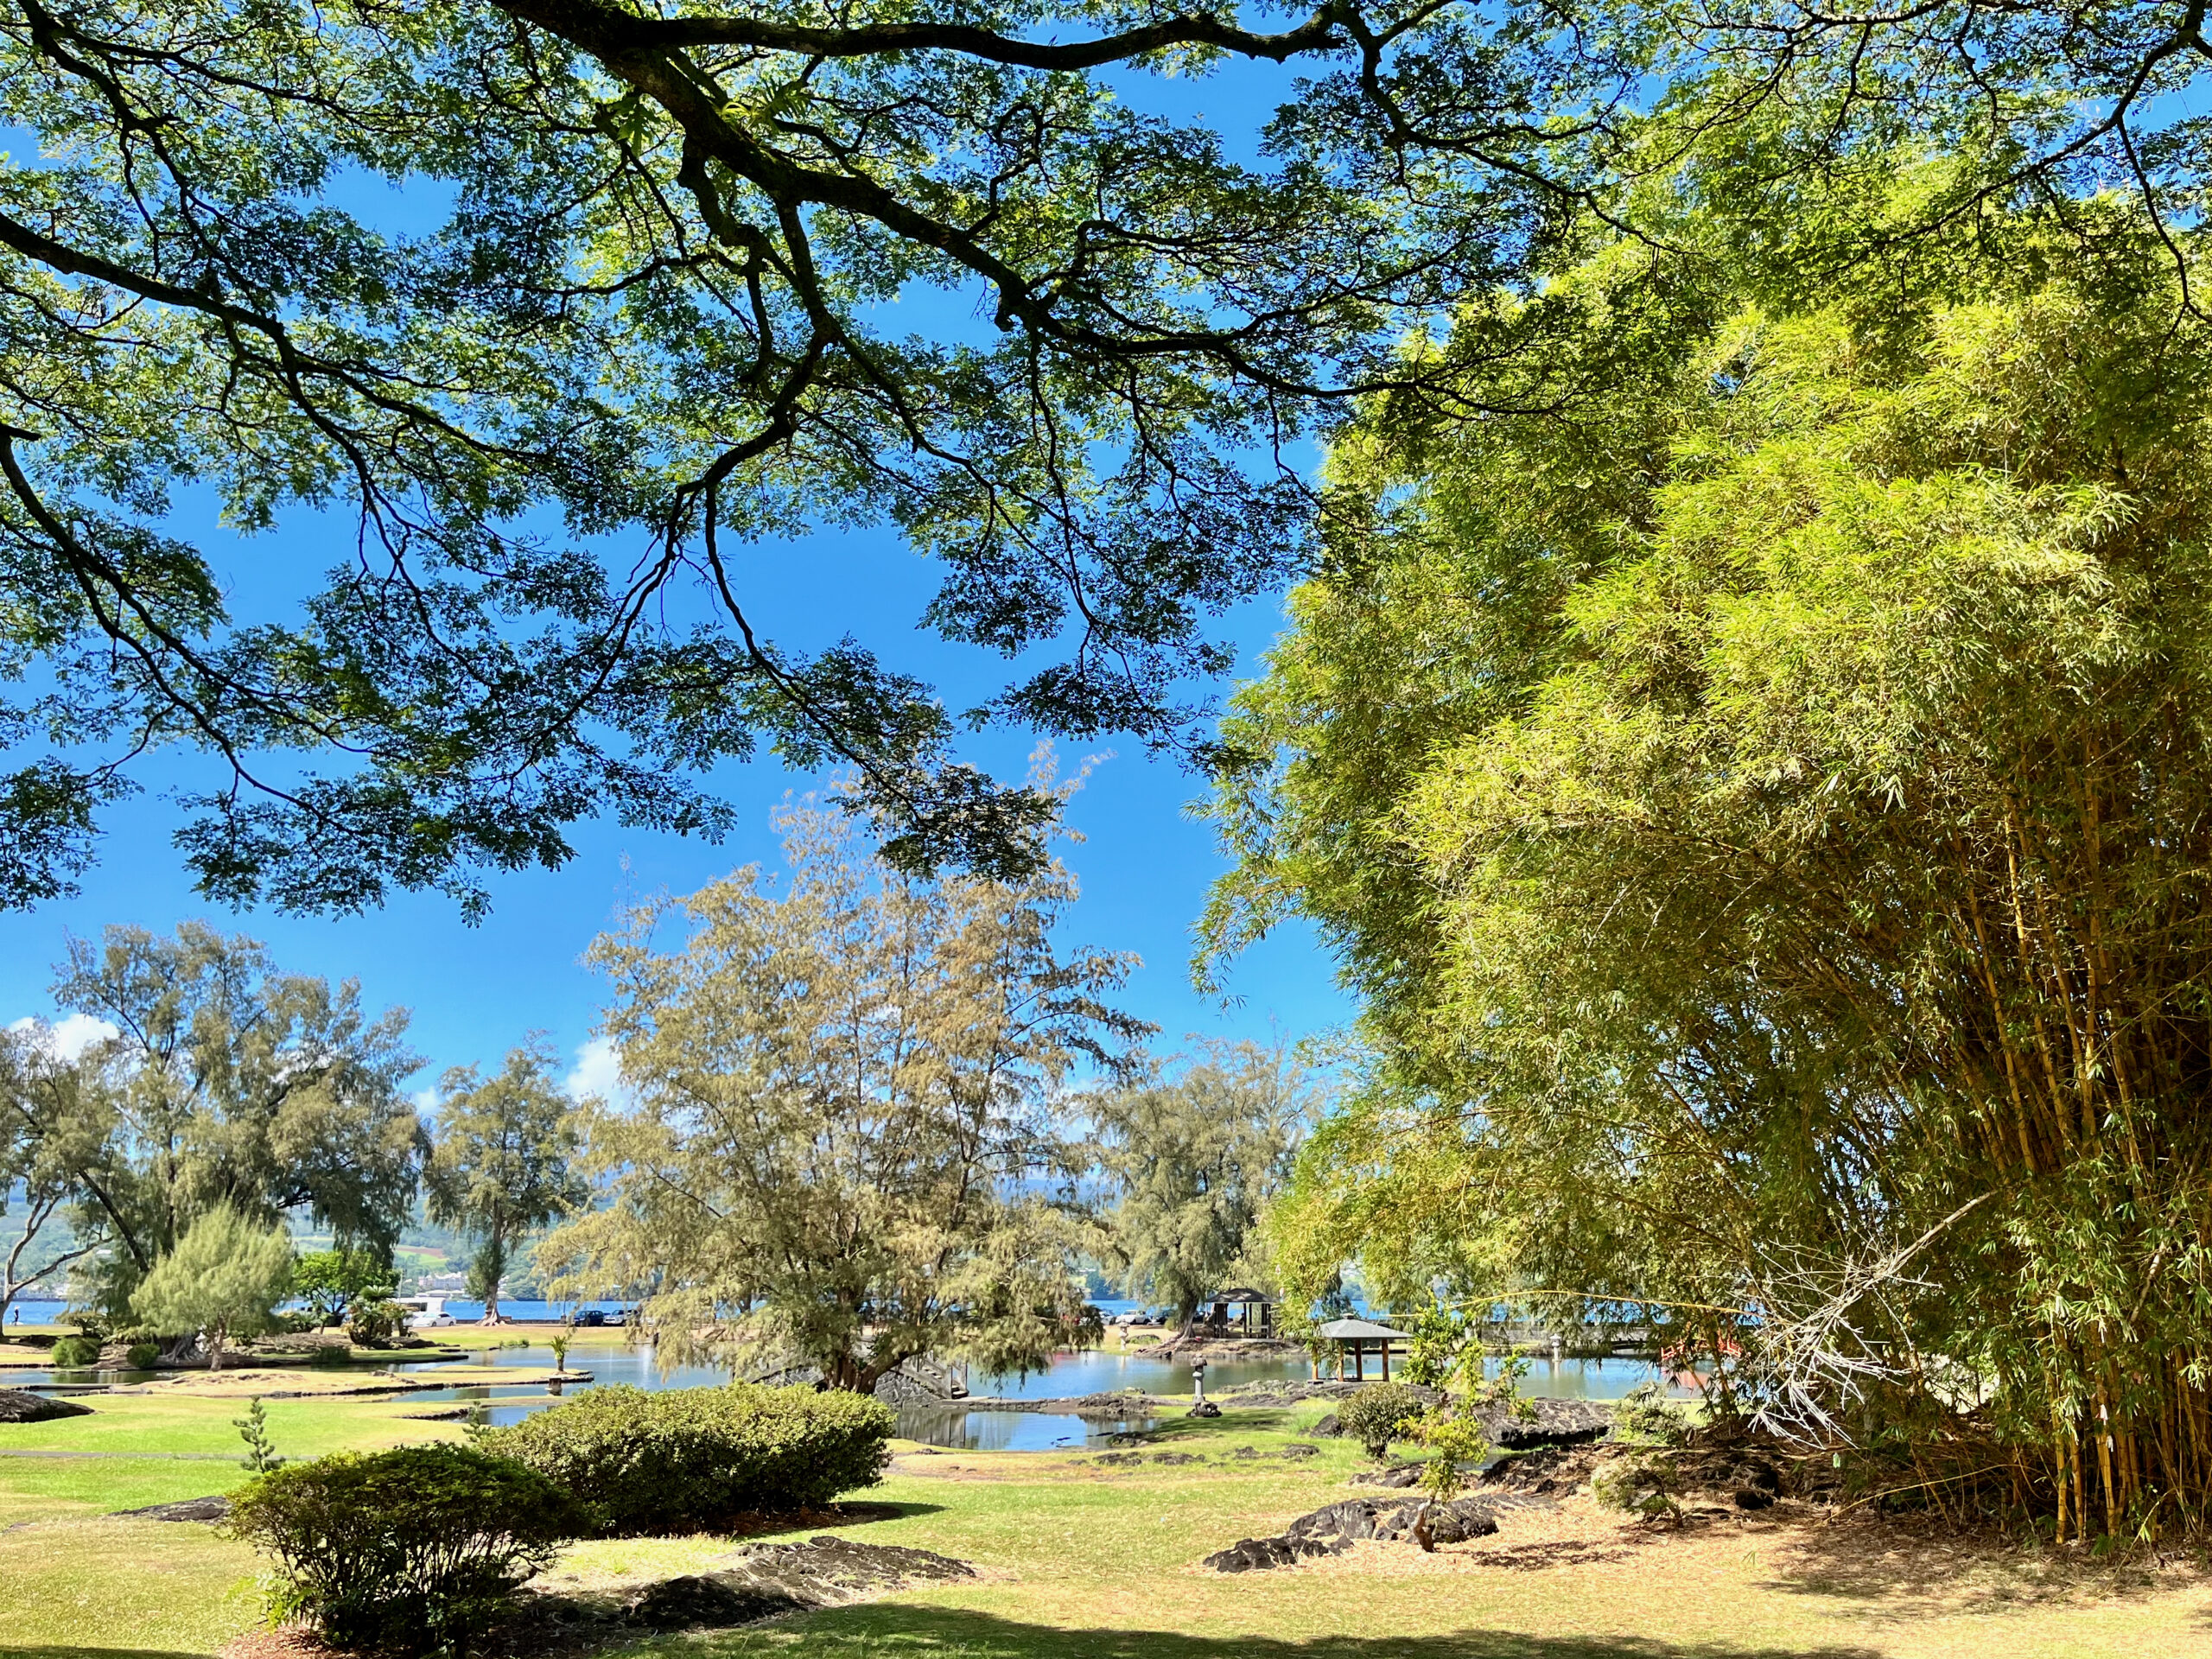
[
  {"x": 1252, "y": 1311},
  {"x": 1357, "y": 1335}
]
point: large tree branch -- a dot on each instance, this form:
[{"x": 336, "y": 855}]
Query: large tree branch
[{"x": 1322, "y": 32}]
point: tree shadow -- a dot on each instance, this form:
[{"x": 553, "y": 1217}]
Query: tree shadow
[
  {"x": 973, "y": 1635},
  {"x": 57, "y": 1650},
  {"x": 1908, "y": 1565}
]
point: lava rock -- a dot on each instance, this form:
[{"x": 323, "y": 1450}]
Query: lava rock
[
  {"x": 1204, "y": 1409},
  {"x": 1301, "y": 1449},
  {"x": 1248, "y": 1554},
  {"x": 1332, "y": 1530},
  {"x": 1555, "y": 1422},
  {"x": 1404, "y": 1475},
  {"x": 705, "y": 1600},
  {"x": 21, "y": 1406},
  {"x": 1328, "y": 1429},
  {"x": 826, "y": 1569},
  {"x": 1178, "y": 1457},
  {"x": 191, "y": 1509}
]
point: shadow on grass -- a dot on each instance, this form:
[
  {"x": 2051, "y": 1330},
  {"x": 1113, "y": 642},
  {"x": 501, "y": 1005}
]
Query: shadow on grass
[
  {"x": 1911, "y": 1566},
  {"x": 910, "y": 1632},
  {"x": 56, "y": 1650}
]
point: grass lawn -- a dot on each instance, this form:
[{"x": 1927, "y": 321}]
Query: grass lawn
[{"x": 1085, "y": 1560}]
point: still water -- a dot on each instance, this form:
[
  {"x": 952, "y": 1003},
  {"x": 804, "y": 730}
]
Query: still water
[{"x": 953, "y": 1424}]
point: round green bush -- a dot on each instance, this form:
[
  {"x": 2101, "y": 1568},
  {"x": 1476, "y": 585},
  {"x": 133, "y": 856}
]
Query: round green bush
[
  {"x": 75, "y": 1353},
  {"x": 141, "y": 1356},
  {"x": 404, "y": 1552},
  {"x": 692, "y": 1459},
  {"x": 1374, "y": 1415}
]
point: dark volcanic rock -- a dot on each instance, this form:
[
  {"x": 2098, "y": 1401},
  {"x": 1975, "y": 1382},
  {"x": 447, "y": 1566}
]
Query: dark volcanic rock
[
  {"x": 1172, "y": 1458},
  {"x": 1301, "y": 1449},
  {"x": 1555, "y": 1422},
  {"x": 706, "y": 1599},
  {"x": 190, "y": 1509},
  {"x": 1204, "y": 1409},
  {"x": 765, "y": 1580},
  {"x": 1248, "y": 1554},
  {"x": 21, "y": 1406},
  {"x": 824, "y": 1569},
  {"x": 1335, "y": 1529},
  {"x": 1405, "y": 1475}
]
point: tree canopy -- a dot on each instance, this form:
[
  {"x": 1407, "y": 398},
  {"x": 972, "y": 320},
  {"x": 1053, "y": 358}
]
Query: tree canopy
[
  {"x": 537, "y": 312},
  {"x": 223, "y": 1280},
  {"x": 228, "y": 1082},
  {"x": 1765, "y": 814},
  {"x": 1193, "y": 1152},
  {"x": 842, "y": 1107},
  {"x": 503, "y": 1165}
]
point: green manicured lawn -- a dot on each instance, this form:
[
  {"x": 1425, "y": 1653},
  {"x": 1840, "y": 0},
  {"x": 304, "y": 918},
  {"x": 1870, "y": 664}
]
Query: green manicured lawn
[{"x": 1085, "y": 1560}]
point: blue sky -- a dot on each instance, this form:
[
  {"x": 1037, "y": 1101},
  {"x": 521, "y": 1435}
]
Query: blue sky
[{"x": 474, "y": 991}]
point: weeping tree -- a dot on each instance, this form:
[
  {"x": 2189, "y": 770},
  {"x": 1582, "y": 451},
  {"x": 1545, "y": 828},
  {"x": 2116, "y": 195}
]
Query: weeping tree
[
  {"x": 842, "y": 1143},
  {"x": 1765, "y": 813}
]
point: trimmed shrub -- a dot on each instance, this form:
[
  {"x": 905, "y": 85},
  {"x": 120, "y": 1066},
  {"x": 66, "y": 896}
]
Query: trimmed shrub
[
  {"x": 411, "y": 1551},
  {"x": 76, "y": 1353},
  {"x": 375, "y": 1325},
  {"x": 691, "y": 1459},
  {"x": 141, "y": 1356},
  {"x": 1376, "y": 1414}
]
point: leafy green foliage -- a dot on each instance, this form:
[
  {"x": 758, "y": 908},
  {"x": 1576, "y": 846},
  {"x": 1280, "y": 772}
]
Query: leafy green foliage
[
  {"x": 332, "y": 1281},
  {"x": 261, "y": 1457},
  {"x": 502, "y": 1164},
  {"x": 654, "y": 325},
  {"x": 224, "y": 1280},
  {"x": 1196, "y": 1153},
  {"x": 838, "y": 1087},
  {"x": 378, "y": 1324},
  {"x": 74, "y": 1353},
  {"x": 1760, "y": 819},
  {"x": 693, "y": 1459},
  {"x": 1454, "y": 1437},
  {"x": 406, "y": 1552},
  {"x": 1378, "y": 1414},
  {"x": 226, "y": 1082},
  {"x": 1645, "y": 1415}
]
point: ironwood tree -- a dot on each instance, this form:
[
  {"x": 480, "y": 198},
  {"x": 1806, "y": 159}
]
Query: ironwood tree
[
  {"x": 843, "y": 1145},
  {"x": 503, "y": 1163},
  {"x": 228, "y": 1083},
  {"x": 1193, "y": 1150}
]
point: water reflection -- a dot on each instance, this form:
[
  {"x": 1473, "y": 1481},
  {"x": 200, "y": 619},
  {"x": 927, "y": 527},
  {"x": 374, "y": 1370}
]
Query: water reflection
[{"x": 1010, "y": 1431}]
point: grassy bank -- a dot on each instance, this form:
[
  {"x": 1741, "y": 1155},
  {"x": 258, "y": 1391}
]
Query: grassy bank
[{"x": 1083, "y": 1559}]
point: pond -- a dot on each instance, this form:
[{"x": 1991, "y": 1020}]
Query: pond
[
  {"x": 955, "y": 1425},
  {"x": 952, "y": 1424}
]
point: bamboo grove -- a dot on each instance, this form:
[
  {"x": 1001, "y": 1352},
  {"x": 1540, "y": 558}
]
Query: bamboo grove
[{"x": 1765, "y": 801}]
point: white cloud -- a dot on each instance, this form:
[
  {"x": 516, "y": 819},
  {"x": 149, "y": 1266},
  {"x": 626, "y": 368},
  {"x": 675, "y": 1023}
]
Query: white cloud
[
  {"x": 598, "y": 1071},
  {"x": 72, "y": 1036}
]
